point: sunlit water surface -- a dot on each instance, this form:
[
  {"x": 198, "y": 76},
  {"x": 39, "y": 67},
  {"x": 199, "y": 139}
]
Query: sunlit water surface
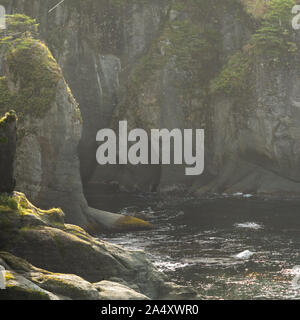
[{"x": 236, "y": 247}]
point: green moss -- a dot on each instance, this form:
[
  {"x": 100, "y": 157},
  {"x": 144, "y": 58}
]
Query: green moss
[
  {"x": 20, "y": 23},
  {"x": 78, "y": 232},
  {"x": 131, "y": 223},
  {"x": 8, "y": 117},
  {"x": 9, "y": 202},
  {"x": 33, "y": 71},
  {"x": 60, "y": 285},
  {"x": 234, "y": 77},
  {"x": 17, "y": 206},
  {"x": 9, "y": 276},
  {"x": 16, "y": 292},
  {"x": 16, "y": 263}
]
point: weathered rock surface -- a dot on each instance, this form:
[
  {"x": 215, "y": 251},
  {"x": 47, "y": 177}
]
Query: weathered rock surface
[
  {"x": 41, "y": 238},
  {"x": 8, "y": 139},
  {"x": 25, "y": 282},
  {"x": 115, "y": 33},
  {"x": 50, "y": 125},
  {"x": 115, "y": 291},
  {"x": 152, "y": 62}
]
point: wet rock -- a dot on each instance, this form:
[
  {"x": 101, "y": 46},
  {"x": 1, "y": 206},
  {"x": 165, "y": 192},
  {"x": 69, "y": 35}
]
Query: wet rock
[
  {"x": 41, "y": 238},
  {"x": 27, "y": 282}
]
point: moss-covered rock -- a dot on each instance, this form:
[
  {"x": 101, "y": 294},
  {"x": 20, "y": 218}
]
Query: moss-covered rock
[
  {"x": 50, "y": 123},
  {"x": 32, "y": 73},
  {"x": 41, "y": 238},
  {"x": 8, "y": 138},
  {"x": 132, "y": 223},
  {"x": 27, "y": 282},
  {"x": 274, "y": 41},
  {"x": 254, "y": 111},
  {"x": 16, "y": 212}
]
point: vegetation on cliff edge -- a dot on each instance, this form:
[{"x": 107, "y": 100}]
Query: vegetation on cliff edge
[
  {"x": 32, "y": 72},
  {"x": 274, "y": 42}
]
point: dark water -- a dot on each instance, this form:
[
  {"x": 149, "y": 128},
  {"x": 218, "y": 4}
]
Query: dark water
[{"x": 196, "y": 242}]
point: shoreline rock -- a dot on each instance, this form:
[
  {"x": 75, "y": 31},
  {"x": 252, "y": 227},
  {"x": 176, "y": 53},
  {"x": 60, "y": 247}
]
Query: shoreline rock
[
  {"x": 24, "y": 281},
  {"x": 43, "y": 239}
]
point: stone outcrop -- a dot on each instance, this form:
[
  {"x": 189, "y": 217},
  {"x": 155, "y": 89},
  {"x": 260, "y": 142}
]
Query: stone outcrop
[
  {"x": 255, "y": 113},
  {"x": 26, "y": 282},
  {"x": 98, "y": 41},
  {"x": 50, "y": 126},
  {"x": 154, "y": 63},
  {"x": 8, "y": 139},
  {"x": 77, "y": 264}
]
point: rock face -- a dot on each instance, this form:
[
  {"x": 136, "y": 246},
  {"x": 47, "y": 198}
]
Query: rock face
[
  {"x": 255, "y": 113},
  {"x": 26, "y": 282},
  {"x": 77, "y": 263},
  {"x": 157, "y": 63},
  {"x": 47, "y": 164},
  {"x": 47, "y": 167},
  {"x": 8, "y": 139},
  {"x": 115, "y": 33},
  {"x": 258, "y": 150}
]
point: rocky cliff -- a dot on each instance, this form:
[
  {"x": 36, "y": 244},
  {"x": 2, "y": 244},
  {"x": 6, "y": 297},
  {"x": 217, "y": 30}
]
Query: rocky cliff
[
  {"x": 75, "y": 264},
  {"x": 255, "y": 111},
  {"x": 176, "y": 64},
  {"x": 49, "y": 130}
]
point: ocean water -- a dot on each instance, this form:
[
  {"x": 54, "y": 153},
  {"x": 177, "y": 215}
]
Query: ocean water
[{"x": 225, "y": 247}]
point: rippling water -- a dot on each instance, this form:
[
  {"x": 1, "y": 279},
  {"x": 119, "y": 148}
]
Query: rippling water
[{"x": 237, "y": 247}]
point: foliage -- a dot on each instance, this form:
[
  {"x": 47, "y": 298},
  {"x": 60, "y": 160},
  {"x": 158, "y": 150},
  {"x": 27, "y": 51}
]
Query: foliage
[
  {"x": 193, "y": 49},
  {"x": 257, "y": 8},
  {"x": 275, "y": 36},
  {"x": 33, "y": 71},
  {"x": 273, "y": 41},
  {"x": 234, "y": 76}
]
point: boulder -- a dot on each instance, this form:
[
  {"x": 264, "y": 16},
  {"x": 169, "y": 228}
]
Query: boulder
[
  {"x": 43, "y": 239},
  {"x": 27, "y": 282}
]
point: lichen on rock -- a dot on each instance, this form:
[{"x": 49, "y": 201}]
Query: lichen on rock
[
  {"x": 76, "y": 261},
  {"x": 27, "y": 282}
]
